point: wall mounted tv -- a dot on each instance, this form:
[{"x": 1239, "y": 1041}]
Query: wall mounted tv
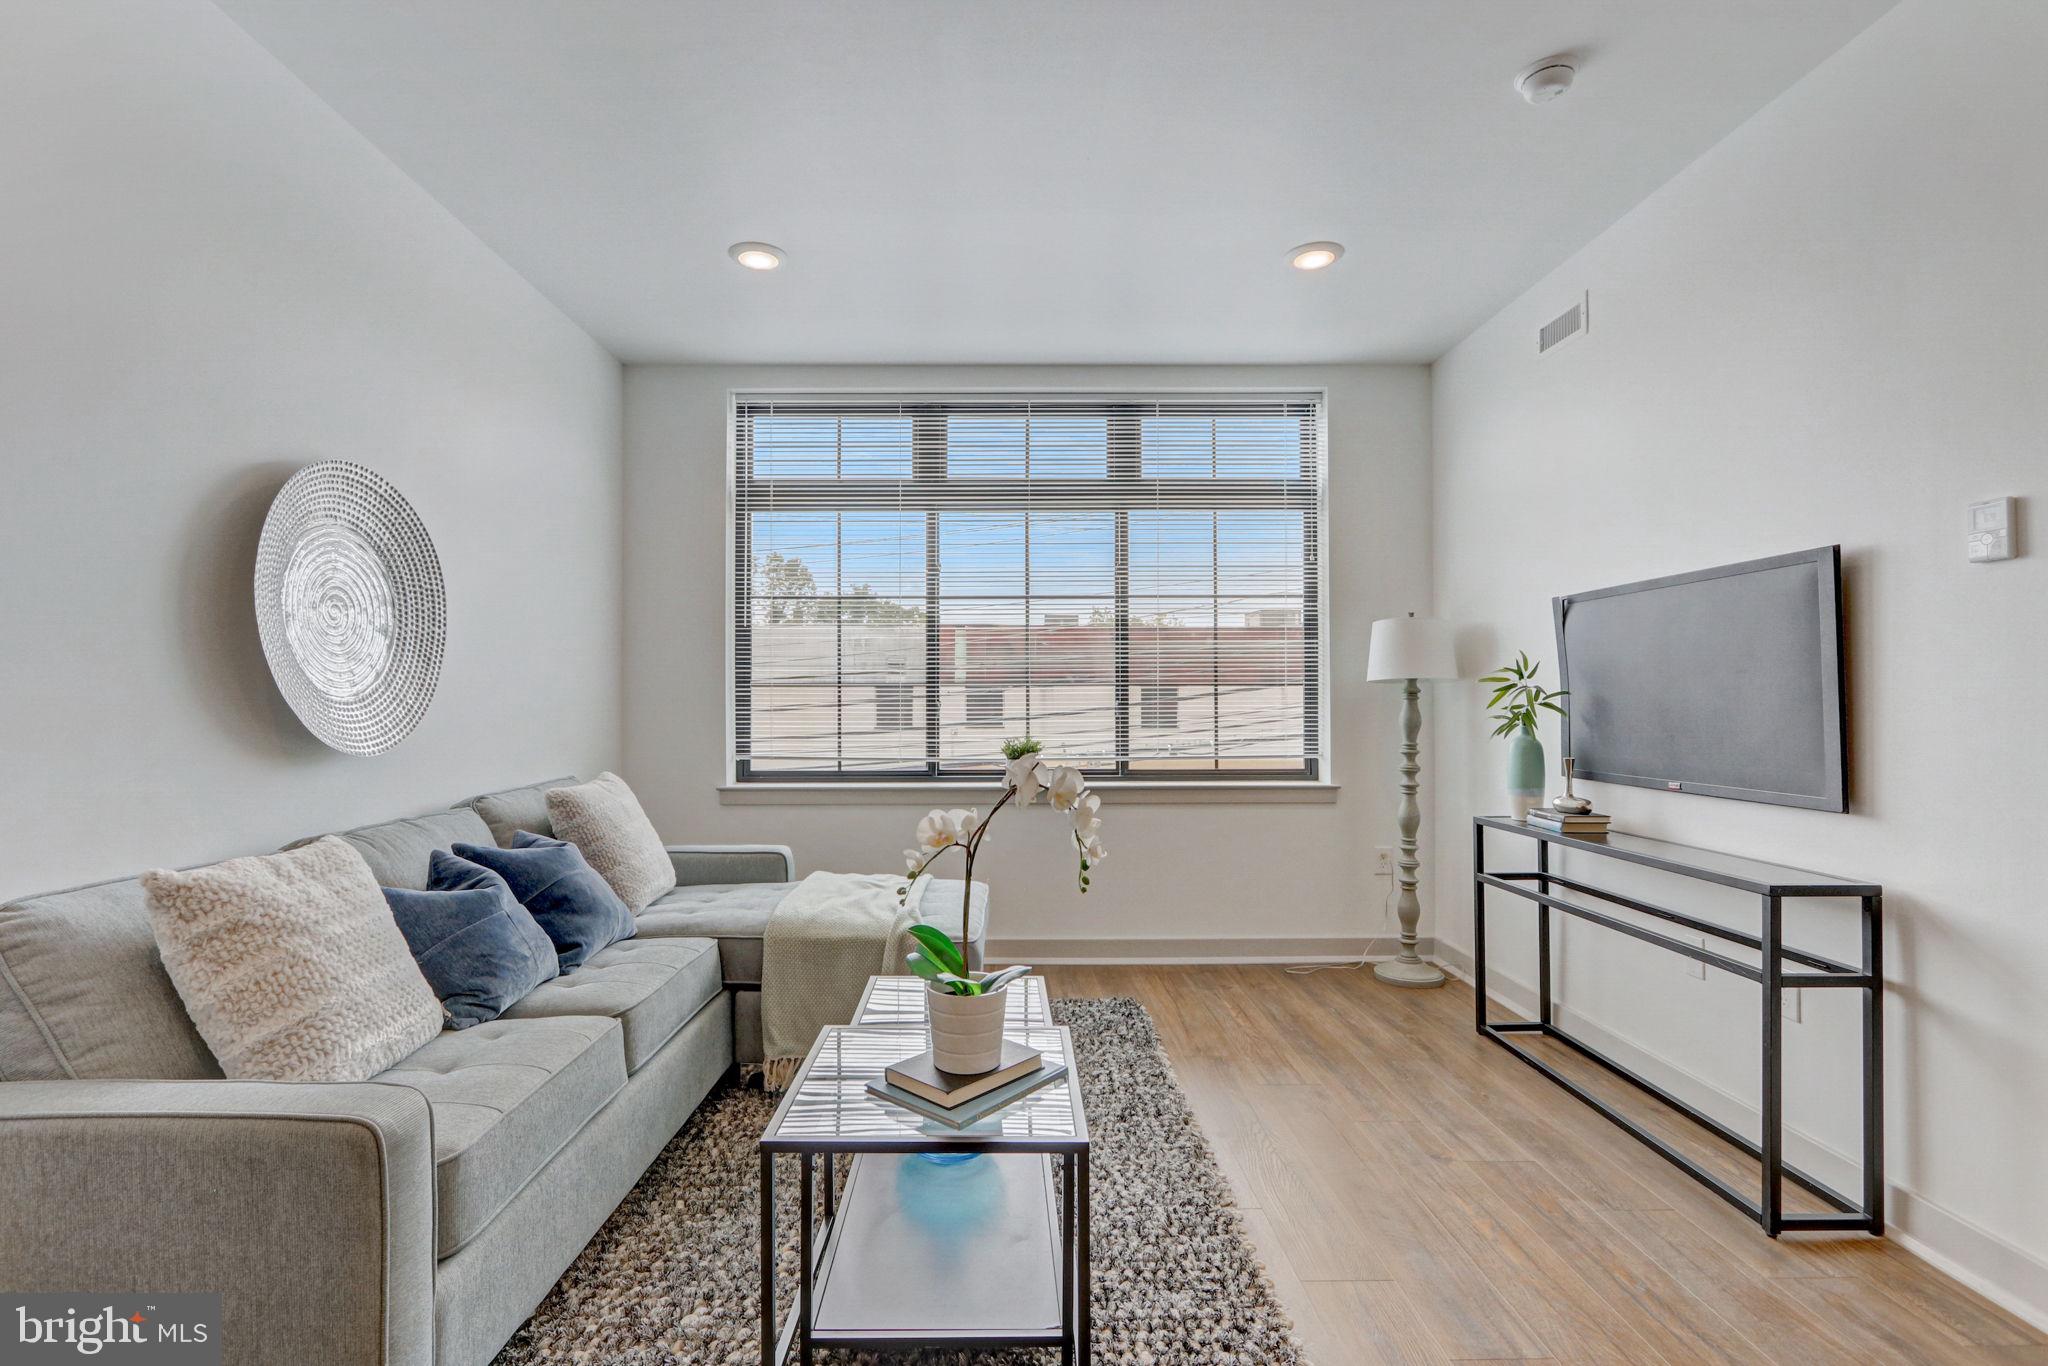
[{"x": 1725, "y": 682}]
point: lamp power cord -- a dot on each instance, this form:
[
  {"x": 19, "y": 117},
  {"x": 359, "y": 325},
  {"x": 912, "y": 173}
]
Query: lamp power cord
[{"x": 1365, "y": 957}]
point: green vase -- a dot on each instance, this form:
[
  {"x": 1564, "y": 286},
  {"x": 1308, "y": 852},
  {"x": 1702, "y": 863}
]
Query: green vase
[{"x": 1525, "y": 772}]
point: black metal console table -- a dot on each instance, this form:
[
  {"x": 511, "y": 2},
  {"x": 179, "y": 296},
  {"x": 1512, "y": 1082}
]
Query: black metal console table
[{"x": 1773, "y": 884}]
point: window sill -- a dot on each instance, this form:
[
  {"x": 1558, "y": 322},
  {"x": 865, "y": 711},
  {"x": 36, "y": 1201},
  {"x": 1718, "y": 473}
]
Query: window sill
[{"x": 939, "y": 794}]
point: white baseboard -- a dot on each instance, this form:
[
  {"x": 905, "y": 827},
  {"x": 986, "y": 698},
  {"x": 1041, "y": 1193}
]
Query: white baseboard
[
  {"x": 2004, "y": 1273},
  {"x": 1080, "y": 952}
]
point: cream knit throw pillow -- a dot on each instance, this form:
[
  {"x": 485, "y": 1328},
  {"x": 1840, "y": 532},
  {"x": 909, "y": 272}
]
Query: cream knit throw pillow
[
  {"x": 291, "y": 966},
  {"x": 603, "y": 818}
]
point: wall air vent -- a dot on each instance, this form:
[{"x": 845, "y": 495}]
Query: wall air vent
[{"x": 1562, "y": 328}]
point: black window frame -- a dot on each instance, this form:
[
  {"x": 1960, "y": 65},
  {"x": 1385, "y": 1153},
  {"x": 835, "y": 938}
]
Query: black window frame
[{"x": 1306, "y": 490}]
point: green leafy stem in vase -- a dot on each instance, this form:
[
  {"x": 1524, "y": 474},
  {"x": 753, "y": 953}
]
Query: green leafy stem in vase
[
  {"x": 937, "y": 958},
  {"x": 1515, "y": 686}
]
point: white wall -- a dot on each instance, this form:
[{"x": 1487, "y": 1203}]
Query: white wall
[
  {"x": 1176, "y": 871},
  {"x": 207, "y": 280},
  {"x": 1829, "y": 329}
]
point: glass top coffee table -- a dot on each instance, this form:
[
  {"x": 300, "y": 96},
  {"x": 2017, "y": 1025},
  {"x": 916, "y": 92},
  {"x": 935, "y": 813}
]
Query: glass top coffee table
[
  {"x": 900, "y": 1001},
  {"x": 906, "y": 1253}
]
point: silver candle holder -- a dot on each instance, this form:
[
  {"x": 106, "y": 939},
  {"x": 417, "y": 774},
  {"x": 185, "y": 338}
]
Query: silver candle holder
[{"x": 1569, "y": 804}]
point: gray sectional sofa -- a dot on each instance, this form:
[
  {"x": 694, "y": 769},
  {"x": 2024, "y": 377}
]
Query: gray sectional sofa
[
  {"x": 415, "y": 1218},
  {"x": 411, "y": 1219}
]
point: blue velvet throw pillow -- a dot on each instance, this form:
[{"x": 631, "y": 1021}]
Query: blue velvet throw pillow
[
  {"x": 478, "y": 948},
  {"x": 577, "y": 907}
]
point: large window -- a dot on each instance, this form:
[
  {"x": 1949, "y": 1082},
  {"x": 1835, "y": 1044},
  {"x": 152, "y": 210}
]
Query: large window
[{"x": 1134, "y": 580}]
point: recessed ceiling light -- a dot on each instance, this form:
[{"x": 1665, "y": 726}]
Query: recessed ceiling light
[
  {"x": 755, "y": 255},
  {"x": 1315, "y": 255}
]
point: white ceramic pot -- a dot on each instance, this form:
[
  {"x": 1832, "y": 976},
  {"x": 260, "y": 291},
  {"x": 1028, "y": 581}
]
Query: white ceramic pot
[{"x": 967, "y": 1031}]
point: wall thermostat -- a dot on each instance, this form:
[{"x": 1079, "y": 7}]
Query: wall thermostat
[{"x": 1990, "y": 530}]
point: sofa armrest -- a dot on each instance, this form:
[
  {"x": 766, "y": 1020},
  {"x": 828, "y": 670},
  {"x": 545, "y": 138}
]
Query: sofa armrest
[
  {"x": 698, "y": 864},
  {"x": 310, "y": 1208}
]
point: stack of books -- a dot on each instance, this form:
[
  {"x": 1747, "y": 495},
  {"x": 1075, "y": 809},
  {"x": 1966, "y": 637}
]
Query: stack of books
[
  {"x": 958, "y": 1101},
  {"x": 1592, "y": 825}
]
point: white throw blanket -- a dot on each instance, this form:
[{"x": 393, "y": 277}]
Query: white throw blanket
[{"x": 824, "y": 940}]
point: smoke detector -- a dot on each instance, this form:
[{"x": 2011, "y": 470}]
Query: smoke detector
[{"x": 1546, "y": 80}]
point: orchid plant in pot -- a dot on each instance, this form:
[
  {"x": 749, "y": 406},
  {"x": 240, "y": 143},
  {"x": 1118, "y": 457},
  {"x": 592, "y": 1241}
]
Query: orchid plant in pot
[{"x": 966, "y": 1008}]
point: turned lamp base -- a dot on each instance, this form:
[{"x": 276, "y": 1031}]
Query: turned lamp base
[{"x": 1399, "y": 972}]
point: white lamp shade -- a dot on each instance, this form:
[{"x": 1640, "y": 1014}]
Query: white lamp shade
[{"x": 1410, "y": 647}]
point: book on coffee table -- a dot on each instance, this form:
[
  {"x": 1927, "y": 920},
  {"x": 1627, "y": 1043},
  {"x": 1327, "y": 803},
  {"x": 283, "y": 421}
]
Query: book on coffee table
[
  {"x": 923, "y": 1078},
  {"x": 969, "y": 1113}
]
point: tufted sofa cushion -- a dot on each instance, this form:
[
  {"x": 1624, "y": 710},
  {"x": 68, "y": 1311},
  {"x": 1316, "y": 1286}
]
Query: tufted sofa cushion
[
  {"x": 652, "y": 987},
  {"x": 506, "y": 1096},
  {"x": 735, "y": 916}
]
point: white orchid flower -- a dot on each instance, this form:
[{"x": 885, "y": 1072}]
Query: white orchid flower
[
  {"x": 942, "y": 828},
  {"x": 1064, "y": 787},
  {"x": 1024, "y": 777},
  {"x": 1025, "y": 774},
  {"x": 1087, "y": 815}
]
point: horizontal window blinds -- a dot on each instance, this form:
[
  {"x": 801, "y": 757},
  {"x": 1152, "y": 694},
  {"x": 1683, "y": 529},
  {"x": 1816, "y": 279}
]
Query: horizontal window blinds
[{"x": 1132, "y": 579}]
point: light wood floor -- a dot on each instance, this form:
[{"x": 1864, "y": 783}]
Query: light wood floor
[{"x": 1421, "y": 1196}]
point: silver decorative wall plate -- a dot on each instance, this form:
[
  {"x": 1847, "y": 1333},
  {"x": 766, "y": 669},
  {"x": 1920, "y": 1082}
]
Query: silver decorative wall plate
[{"x": 350, "y": 605}]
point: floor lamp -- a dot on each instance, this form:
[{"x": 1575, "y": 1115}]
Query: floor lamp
[{"x": 1407, "y": 650}]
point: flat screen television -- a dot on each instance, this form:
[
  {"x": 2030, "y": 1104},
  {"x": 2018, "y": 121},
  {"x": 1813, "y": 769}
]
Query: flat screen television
[{"x": 1726, "y": 682}]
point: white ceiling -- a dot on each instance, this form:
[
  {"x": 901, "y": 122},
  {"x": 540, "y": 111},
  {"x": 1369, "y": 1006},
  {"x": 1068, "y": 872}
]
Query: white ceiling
[{"x": 1086, "y": 181}]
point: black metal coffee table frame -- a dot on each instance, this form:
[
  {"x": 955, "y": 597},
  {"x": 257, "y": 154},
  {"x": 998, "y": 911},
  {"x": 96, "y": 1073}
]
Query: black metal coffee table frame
[{"x": 826, "y": 1113}]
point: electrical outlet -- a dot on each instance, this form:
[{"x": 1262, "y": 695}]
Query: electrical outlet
[
  {"x": 1694, "y": 968},
  {"x": 1383, "y": 863},
  {"x": 1792, "y": 1004}
]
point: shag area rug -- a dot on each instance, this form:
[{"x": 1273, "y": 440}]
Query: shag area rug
[{"x": 674, "y": 1276}]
